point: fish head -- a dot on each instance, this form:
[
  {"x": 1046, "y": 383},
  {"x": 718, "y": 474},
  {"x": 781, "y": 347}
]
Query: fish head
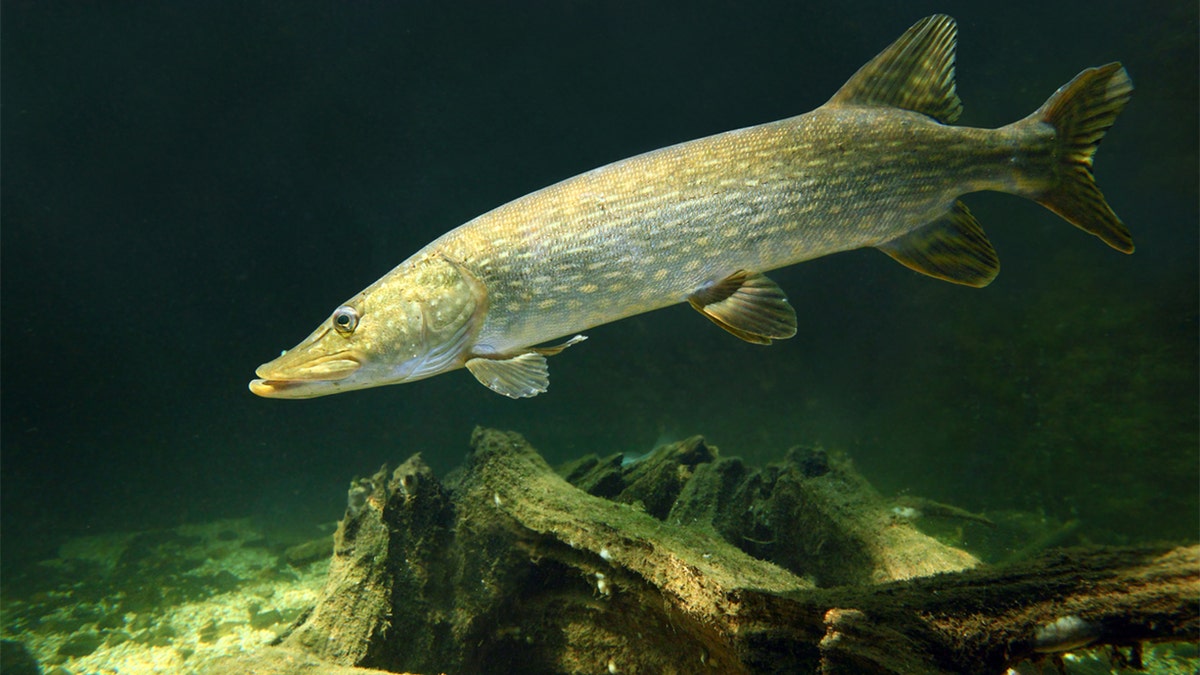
[{"x": 417, "y": 321}]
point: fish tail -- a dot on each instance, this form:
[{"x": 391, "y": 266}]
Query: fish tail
[{"x": 1081, "y": 111}]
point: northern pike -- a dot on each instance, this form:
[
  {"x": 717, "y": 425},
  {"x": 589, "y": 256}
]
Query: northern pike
[{"x": 878, "y": 165}]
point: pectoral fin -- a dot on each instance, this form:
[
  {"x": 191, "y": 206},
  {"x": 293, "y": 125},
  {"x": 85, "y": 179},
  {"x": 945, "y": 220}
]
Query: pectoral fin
[
  {"x": 953, "y": 248},
  {"x": 749, "y": 305},
  {"x": 521, "y": 376}
]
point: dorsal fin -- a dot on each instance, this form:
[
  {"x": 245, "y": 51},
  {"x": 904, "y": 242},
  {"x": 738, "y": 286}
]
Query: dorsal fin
[{"x": 915, "y": 73}]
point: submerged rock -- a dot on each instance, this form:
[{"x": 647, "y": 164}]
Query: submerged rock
[
  {"x": 813, "y": 515},
  {"x": 507, "y": 563},
  {"x": 689, "y": 562}
]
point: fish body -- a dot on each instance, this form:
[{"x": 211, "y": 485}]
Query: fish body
[
  {"x": 879, "y": 165},
  {"x": 647, "y": 232},
  {"x": 911, "y": 507}
]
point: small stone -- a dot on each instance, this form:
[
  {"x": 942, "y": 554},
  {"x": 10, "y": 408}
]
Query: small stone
[
  {"x": 142, "y": 621},
  {"x": 158, "y": 636},
  {"x": 110, "y": 621},
  {"x": 265, "y": 619},
  {"x": 275, "y": 574},
  {"x": 81, "y": 644},
  {"x": 223, "y": 581},
  {"x": 61, "y": 624},
  {"x": 309, "y": 552},
  {"x": 209, "y": 632}
]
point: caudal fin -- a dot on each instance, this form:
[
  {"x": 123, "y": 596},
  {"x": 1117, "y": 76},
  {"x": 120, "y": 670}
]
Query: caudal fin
[{"x": 1081, "y": 112}]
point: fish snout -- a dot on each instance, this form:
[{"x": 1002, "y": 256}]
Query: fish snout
[{"x": 297, "y": 375}]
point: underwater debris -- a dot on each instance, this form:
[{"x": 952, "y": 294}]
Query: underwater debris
[
  {"x": 812, "y": 515},
  {"x": 440, "y": 580},
  {"x": 1064, "y": 634}
]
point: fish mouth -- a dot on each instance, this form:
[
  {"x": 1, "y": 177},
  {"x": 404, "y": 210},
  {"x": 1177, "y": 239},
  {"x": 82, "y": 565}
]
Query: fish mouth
[
  {"x": 283, "y": 389},
  {"x": 298, "y": 377}
]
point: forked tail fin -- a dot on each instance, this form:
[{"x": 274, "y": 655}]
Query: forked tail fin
[{"x": 1081, "y": 111}]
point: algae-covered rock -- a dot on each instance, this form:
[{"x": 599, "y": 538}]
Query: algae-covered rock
[
  {"x": 690, "y": 562},
  {"x": 510, "y": 565},
  {"x": 810, "y": 514},
  {"x": 383, "y": 600}
]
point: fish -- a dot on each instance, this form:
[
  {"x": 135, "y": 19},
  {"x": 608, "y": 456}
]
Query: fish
[
  {"x": 879, "y": 165},
  {"x": 912, "y": 507}
]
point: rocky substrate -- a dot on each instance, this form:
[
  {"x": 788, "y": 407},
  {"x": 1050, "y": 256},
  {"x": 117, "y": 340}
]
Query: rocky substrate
[
  {"x": 161, "y": 601},
  {"x": 679, "y": 561}
]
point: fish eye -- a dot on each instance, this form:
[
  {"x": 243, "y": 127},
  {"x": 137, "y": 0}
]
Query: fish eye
[{"x": 345, "y": 320}]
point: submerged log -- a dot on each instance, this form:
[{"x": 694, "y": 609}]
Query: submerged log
[
  {"x": 810, "y": 514},
  {"x": 686, "y": 561}
]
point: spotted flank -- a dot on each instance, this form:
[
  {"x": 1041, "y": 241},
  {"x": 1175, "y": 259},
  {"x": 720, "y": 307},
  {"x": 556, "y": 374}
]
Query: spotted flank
[{"x": 880, "y": 165}]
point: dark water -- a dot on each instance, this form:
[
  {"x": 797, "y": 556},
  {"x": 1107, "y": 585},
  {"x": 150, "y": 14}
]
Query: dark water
[{"x": 190, "y": 187}]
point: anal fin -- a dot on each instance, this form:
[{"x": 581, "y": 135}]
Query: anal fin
[
  {"x": 521, "y": 376},
  {"x": 953, "y": 248},
  {"x": 749, "y": 305}
]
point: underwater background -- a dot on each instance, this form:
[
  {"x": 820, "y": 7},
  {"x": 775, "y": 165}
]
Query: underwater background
[{"x": 189, "y": 188}]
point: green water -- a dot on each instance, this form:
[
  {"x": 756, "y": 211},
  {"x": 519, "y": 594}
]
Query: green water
[{"x": 190, "y": 188}]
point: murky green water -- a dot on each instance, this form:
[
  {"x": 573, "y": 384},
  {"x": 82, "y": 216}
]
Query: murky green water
[{"x": 189, "y": 188}]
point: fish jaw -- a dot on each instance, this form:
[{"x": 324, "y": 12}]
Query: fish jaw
[
  {"x": 294, "y": 389},
  {"x": 305, "y": 372}
]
